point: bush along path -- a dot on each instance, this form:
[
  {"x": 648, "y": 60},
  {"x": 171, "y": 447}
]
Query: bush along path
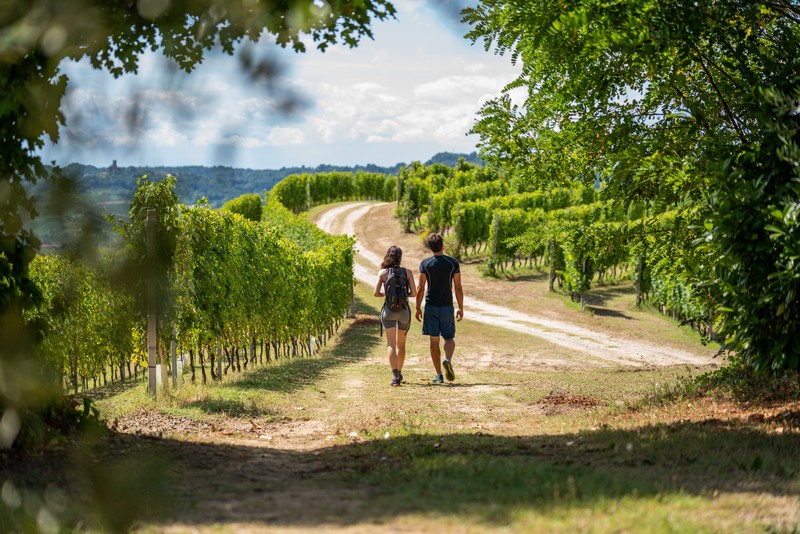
[{"x": 323, "y": 443}]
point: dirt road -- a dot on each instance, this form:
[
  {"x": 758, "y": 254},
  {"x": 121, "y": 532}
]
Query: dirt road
[{"x": 602, "y": 348}]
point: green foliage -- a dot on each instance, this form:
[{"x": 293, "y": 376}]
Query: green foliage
[
  {"x": 160, "y": 200},
  {"x": 646, "y": 95},
  {"x": 737, "y": 380},
  {"x": 743, "y": 382},
  {"x": 300, "y": 192},
  {"x": 753, "y": 239},
  {"x": 291, "y": 192},
  {"x": 229, "y": 280},
  {"x": 240, "y": 278},
  {"x": 651, "y": 99},
  {"x": 248, "y": 206},
  {"x": 579, "y": 232},
  {"x": 59, "y": 418},
  {"x": 87, "y": 321},
  {"x": 39, "y": 36}
]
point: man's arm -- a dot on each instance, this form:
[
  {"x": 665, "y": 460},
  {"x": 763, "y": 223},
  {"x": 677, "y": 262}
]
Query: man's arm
[
  {"x": 459, "y": 296},
  {"x": 420, "y": 294}
]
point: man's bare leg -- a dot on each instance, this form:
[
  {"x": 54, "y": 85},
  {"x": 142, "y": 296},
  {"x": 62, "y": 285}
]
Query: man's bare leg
[
  {"x": 436, "y": 354},
  {"x": 449, "y": 348}
]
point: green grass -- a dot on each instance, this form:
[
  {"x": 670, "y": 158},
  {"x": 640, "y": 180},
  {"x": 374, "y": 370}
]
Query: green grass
[{"x": 504, "y": 449}]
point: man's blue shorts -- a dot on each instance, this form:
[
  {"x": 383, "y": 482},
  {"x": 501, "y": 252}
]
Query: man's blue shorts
[{"x": 439, "y": 321}]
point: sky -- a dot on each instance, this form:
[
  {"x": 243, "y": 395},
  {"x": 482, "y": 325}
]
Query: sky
[{"x": 411, "y": 92}]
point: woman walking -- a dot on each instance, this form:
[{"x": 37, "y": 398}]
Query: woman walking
[{"x": 395, "y": 285}]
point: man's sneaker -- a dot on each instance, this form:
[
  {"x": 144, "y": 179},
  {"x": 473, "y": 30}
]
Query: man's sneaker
[
  {"x": 400, "y": 379},
  {"x": 395, "y": 382},
  {"x": 448, "y": 370},
  {"x": 437, "y": 379}
]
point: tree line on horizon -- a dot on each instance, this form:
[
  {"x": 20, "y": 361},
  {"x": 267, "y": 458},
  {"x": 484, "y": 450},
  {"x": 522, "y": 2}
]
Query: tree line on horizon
[{"x": 217, "y": 183}]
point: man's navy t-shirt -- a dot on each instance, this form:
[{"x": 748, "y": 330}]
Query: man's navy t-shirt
[{"x": 439, "y": 271}]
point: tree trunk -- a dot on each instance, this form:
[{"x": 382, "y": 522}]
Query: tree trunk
[
  {"x": 75, "y": 372},
  {"x": 203, "y": 365},
  {"x": 212, "y": 357},
  {"x": 710, "y": 324},
  {"x": 191, "y": 364},
  {"x": 639, "y": 273}
]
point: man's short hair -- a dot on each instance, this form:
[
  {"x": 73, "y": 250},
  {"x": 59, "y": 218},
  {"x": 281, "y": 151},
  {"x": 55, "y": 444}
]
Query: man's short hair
[{"x": 435, "y": 242}]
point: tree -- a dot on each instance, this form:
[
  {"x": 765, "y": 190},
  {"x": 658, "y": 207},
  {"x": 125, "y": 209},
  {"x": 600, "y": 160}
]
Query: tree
[
  {"x": 38, "y": 36},
  {"x": 651, "y": 97},
  {"x": 753, "y": 239},
  {"x": 645, "y": 89}
]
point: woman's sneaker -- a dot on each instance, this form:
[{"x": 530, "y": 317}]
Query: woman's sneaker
[
  {"x": 437, "y": 379},
  {"x": 448, "y": 370},
  {"x": 395, "y": 381}
]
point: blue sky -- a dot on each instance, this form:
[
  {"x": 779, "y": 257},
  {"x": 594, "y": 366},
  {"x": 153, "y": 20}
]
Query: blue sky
[{"x": 411, "y": 92}]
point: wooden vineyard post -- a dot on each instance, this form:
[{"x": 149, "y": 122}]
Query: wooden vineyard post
[
  {"x": 152, "y": 218},
  {"x": 457, "y": 251},
  {"x": 173, "y": 359},
  {"x": 495, "y": 238},
  {"x": 399, "y": 189},
  {"x": 351, "y": 311},
  {"x": 162, "y": 361},
  {"x": 219, "y": 362}
]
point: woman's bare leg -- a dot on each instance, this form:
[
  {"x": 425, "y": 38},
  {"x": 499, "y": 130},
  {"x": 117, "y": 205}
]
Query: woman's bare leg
[
  {"x": 401, "y": 348},
  {"x": 391, "y": 347}
]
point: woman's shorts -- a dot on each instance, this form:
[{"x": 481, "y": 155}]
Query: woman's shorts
[
  {"x": 399, "y": 319},
  {"x": 439, "y": 321}
]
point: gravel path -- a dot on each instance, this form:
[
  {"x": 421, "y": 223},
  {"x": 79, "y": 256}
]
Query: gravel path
[{"x": 603, "y": 347}]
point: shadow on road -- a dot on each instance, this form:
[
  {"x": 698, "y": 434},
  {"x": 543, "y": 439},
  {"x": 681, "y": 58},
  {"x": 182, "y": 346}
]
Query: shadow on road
[{"x": 487, "y": 479}]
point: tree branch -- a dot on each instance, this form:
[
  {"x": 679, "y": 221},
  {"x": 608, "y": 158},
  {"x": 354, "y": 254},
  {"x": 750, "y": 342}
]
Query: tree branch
[
  {"x": 786, "y": 9},
  {"x": 719, "y": 68},
  {"x": 725, "y": 106}
]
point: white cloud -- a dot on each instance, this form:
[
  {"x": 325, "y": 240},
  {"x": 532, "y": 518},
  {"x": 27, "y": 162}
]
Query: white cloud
[
  {"x": 165, "y": 134},
  {"x": 366, "y": 87},
  {"x": 458, "y": 87},
  {"x": 285, "y": 136},
  {"x": 417, "y": 84}
]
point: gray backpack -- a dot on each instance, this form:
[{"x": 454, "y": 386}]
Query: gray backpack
[{"x": 395, "y": 288}]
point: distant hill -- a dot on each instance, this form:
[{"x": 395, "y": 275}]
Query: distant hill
[
  {"x": 219, "y": 184},
  {"x": 70, "y": 209}
]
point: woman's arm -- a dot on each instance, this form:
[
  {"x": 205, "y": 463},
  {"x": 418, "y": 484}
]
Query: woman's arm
[
  {"x": 412, "y": 288},
  {"x": 379, "y": 283}
]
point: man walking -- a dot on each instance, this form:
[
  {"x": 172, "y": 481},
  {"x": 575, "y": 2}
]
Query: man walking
[{"x": 438, "y": 276}]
